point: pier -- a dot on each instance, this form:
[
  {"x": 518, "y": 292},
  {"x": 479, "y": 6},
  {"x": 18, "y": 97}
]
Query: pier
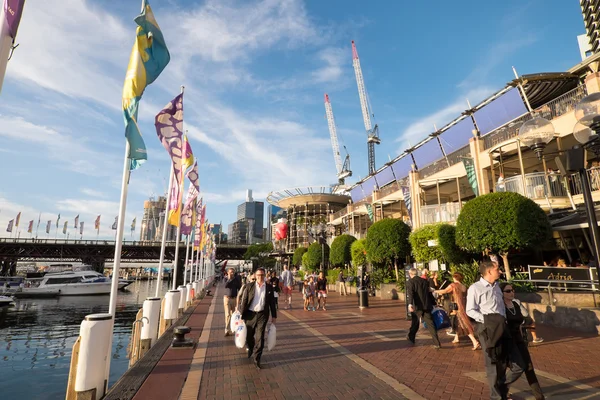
[{"x": 345, "y": 353}]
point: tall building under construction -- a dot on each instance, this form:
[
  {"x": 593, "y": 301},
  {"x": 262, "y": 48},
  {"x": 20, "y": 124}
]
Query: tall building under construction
[{"x": 153, "y": 221}]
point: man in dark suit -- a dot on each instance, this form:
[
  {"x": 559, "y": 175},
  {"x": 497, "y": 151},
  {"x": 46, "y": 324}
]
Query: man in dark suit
[
  {"x": 258, "y": 299},
  {"x": 420, "y": 304}
]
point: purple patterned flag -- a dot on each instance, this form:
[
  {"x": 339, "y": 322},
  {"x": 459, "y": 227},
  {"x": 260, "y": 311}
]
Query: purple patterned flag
[
  {"x": 197, "y": 233},
  {"x": 193, "y": 176},
  {"x": 30, "y": 227},
  {"x": 168, "y": 123},
  {"x": 76, "y": 221},
  {"x": 81, "y": 228},
  {"x": 13, "y": 9},
  {"x": 48, "y": 226},
  {"x": 10, "y": 225},
  {"x": 187, "y": 215}
]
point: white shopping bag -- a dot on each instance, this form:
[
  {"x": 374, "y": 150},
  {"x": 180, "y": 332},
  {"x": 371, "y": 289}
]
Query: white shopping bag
[
  {"x": 236, "y": 318},
  {"x": 271, "y": 337},
  {"x": 240, "y": 335}
]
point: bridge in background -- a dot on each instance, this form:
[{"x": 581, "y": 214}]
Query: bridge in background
[{"x": 97, "y": 252}]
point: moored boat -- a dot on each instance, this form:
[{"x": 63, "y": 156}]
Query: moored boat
[
  {"x": 6, "y": 300},
  {"x": 70, "y": 283}
]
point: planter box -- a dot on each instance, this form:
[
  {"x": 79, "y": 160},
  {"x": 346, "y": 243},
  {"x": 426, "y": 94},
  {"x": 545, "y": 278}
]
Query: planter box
[{"x": 389, "y": 291}]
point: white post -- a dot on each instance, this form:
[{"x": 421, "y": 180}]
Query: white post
[
  {"x": 164, "y": 234},
  {"x": 94, "y": 354},
  {"x": 183, "y": 291},
  {"x": 150, "y": 310},
  {"x": 185, "y": 265},
  {"x": 188, "y": 294},
  {"x": 112, "y": 306}
]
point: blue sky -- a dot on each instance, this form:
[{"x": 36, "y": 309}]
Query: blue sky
[{"x": 255, "y": 73}]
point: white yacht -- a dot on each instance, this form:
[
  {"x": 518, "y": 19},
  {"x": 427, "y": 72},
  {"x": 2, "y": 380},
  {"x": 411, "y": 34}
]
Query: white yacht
[{"x": 71, "y": 283}]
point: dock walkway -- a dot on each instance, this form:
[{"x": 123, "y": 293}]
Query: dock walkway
[{"x": 346, "y": 353}]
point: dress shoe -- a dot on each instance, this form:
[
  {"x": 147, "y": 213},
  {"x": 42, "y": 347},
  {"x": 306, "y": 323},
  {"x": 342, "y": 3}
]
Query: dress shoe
[
  {"x": 437, "y": 347},
  {"x": 249, "y": 353},
  {"x": 257, "y": 365},
  {"x": 410, "y": 340}
]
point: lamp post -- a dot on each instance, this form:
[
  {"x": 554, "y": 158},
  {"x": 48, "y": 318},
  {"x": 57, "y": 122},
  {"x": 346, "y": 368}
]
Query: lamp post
[
  {"x": 321, "y": 231},
  {"x": 538, "y": 132}
]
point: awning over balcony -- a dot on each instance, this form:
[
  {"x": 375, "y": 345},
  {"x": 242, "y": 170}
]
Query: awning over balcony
[
  {"x": 572, "y": 219},
  {"x": 544, "y": 87}
]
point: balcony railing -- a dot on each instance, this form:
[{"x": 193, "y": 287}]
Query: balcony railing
[
  {"x": 339, "y": 214},
  {"x": 536, "y": 185},
  {"x": 575, "y": 182},
  {"x": 443, "y": 163},
  {"x": 555, "y": 108},
  {"x": 387, "y": 190},
  {"x": 440, "y": 213}
]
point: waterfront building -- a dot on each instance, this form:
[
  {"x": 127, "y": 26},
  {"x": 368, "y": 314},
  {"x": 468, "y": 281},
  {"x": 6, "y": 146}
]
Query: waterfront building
[
  {"x": 153, "y": 221},
  {"x": 429, "y": 182}
]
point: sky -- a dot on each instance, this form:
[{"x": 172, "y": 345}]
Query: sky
[{"x": 254, "y": 74}]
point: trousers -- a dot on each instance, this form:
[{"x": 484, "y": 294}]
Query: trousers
[
  {"x": 229, "y": 305},
  {"x": 414, "y": 326},
  {"x": 256, "y": 323}
]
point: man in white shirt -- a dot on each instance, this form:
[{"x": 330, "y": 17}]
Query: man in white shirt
[
  {"x": 287, "y": 281},
  {"x": 485, "y": 304},
  {"x": 257, "y": 301}
]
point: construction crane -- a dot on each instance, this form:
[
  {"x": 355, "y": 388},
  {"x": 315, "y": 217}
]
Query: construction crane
[
  {"x": 372, "y": 133},
  {"x": 343, "y": 170}
]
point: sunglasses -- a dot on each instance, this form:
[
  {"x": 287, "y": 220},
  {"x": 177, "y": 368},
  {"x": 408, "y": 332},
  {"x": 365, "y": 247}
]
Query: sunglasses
[{"x": 509, "y": 291}]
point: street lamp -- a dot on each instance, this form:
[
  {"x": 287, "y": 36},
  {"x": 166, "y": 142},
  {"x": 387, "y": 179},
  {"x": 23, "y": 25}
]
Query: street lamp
[
  {"x": 321, "y": 231},
  {"x": 538, "y": 132}
]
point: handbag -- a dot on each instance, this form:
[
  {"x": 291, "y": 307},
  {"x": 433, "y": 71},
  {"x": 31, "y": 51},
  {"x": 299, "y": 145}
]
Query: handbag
[{"x": 440, "y": 318}]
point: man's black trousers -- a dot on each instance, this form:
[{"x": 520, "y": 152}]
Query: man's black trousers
[{"x": 256, "y": 323}]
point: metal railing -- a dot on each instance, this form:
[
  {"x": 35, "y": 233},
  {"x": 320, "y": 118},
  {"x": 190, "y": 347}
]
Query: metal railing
[
  {"x": 100, "y": 242},
  {"x": 505, "y": 132},
  {"x": 574, "y": 181},
  {"x": 339, "y": 214},
  {"x": 536, "y": 185},
  {"x": 447, "y": 212},
  {"x": 443, "y": 163}
]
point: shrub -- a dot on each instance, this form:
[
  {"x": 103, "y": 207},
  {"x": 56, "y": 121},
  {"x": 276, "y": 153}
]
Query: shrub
[
  {"x": 298, "y": 253},
  {"x": 387, "y": 240},
  {"x": 419, "y": 243},
  {"x": 311, "y": 260},
  {"x": 340, "y": 254},
  {"x": 359, "y": 254}
]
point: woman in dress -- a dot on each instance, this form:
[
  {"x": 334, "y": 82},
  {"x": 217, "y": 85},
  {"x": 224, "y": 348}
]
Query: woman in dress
[
  {"x": 515, "y": 316},
  {"x": 459, "y": 299}
]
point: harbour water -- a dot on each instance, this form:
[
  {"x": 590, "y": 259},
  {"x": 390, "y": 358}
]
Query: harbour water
[{"x": 37, "y": 335}]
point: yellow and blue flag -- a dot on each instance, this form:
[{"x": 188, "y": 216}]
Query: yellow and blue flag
[{"x": 148, "y": 59}]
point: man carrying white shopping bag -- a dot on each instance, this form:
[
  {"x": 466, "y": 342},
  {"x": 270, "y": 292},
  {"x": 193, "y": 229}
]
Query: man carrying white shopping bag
[{"x": 257, "y": 301}]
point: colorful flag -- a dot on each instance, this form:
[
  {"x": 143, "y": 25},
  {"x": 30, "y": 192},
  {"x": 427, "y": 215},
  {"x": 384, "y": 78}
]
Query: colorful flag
[
  {"x": 168, "y": 123},
  {"x": 370, "y": 211},
  {"x": 133, "y": 225},
  {"x": 114, "y": 225},
  {"x": 38, "y": 224},
  {"x": 197, "y": 230},
  {"x": 10, "y": 16},
  {"x": 469, "y": 164},
  {"x": 97, "y": 224},
  {"x": 48, "y": 225},
  {"x": 65, "y": 227},
  {"x": 148, "y": 59},
  {"x": 10, "y": 225},
  {"x": 18, "y": 219},
  {"x": 187, "y": 215},
  {"x": 81, "y": 228},
  {"x": 30, "y": 227},
  {"x": 188, "y": 155},
  {"x": 76, "y": 221},
  {"x": 193, "y": 176},
  {"x": 58, "y": 219},
  {"x": 406, "y": 195}
]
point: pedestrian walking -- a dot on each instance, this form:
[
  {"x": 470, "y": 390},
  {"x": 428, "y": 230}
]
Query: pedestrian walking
[
  {"x": 287, "y": 283},
  {"x": 233, "y": 283},
  {"x": 322, "y": 291},
  {"x": 485, "y": 304},
  {"x": 420, "y": 304},
  {"x": 516, "y": 315},
  {"x": 274, "y": 281},
  {"x": 257, "y": 302},
  {"x": 342, "y": 284}
]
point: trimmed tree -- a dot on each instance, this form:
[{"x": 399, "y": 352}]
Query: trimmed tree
[
  {"x": 387, "y": 240},
  {"x": 446, "y": 236},
  {"x": 314, "y": 256},
  {"x": 419, "y": 243},
  {"x": 358, "y": 252},
  {"x": 340, "y": 254},
  {"x": 501, "y": 223},
  {"x": 298, "y": 253},
  {"x": 259, "y": 255}
]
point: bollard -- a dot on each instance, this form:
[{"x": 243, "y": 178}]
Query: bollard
[
  {"x": 188, "y": 297},
  {"x": 179, "y": 339},
  {"x": 169, "y": 312},
  {"x": 183, "y": 290},
  {"x": 151, "y": 311},
  {"x": 90, "y": 368}
]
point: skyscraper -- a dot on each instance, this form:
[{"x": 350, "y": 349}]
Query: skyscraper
[
  {"x": 153, "y": 221},
  {"x": 591, "y": 18},
  {"x": 249, "y": 226}
]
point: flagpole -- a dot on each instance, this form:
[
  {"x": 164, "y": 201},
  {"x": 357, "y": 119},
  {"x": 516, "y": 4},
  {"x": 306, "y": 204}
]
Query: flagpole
[
  {"x": 192, "y": 266},
  {"x": 187, "y": 253},
  {"x": 164, "y": 233},
  {"x": 180, "y": 208}
]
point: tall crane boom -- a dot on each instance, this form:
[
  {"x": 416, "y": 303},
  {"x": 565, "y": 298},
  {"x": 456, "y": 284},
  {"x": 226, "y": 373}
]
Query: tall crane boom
[
  {"x": 372, "y": 132},
  {"x": 343, "y": 170}
]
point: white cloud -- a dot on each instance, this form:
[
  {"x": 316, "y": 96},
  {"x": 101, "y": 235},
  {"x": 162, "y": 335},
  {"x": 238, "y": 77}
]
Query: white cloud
[
  {"x": 334, "y": 59},
  {"x": 92, "y": 192}
]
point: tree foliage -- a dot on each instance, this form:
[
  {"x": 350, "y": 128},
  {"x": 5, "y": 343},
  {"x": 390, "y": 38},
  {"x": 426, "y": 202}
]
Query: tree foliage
[
  {"x": 500, "y": 223},
  {"x": 446, "y": 236},
  {"x": 259, "y": 255},
  {"x": 312, "y": 259},
  {"x": 386, "y": 240},
  {"x": 298, "y": 253},
  {"x": 340, "y": 254},
  {"x": 419, "y": 243},
  {"x": 358, "y": 252}
]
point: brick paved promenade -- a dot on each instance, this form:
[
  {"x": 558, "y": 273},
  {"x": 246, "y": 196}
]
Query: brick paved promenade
[{"x": 346, "y": 353}]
